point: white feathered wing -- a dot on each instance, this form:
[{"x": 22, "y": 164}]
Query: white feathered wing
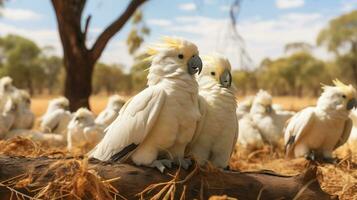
[
  {"x": 296, "y": 129},
  {"x": 134, "y": 122}
]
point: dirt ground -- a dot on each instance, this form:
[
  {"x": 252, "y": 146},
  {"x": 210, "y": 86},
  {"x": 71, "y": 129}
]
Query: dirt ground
[{"x": 339, "y": 179}]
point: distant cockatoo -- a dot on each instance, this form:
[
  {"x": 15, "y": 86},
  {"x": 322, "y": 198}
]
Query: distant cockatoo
[
  {"x": 265, "y": 119},
  {"x": 7, "y": 89},
  {"x": 111, "y": 112},
  {"x": 262, "y": 119},
  {"x": 316, "y": 131},
  {"x": 7, "y": 117},
  {"x": 217, "y": 130},
  {"x": 83, "y": 131},
  {"x": 57, "y": 103},
  {"x": 243, "y": 107},
  {"x": 155, "y": 126},
  {"x": 57, "y": 117},
  {"x": 249, "y": 136},
  {"x": 24, "y": 118}
]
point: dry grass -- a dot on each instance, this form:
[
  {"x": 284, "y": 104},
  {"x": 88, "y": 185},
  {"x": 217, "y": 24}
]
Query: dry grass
[{"x": 340, "y": 179}]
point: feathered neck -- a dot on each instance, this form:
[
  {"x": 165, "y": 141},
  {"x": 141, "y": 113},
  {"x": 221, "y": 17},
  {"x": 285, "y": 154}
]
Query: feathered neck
[
  {"x": 171, "y": 75},
  {"x": 214, "y": 91}
]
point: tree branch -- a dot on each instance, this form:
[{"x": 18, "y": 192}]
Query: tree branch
[
  {"x": 111, "y": 30},
  {"x": 86, "y": 26},
  {"x": 192, "y": 184}
]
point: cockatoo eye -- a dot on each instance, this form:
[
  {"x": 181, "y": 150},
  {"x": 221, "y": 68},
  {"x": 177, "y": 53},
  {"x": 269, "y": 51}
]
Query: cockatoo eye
[
  {"x": 180, "y": 56},
  {"x": 344, "y": 96},
  {"x": 213, "y": 73}
]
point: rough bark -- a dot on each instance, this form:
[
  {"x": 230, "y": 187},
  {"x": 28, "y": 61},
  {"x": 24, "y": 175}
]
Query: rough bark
[
  {"x": 79, "y": 60},
  {"x": 202, "y": 185}
]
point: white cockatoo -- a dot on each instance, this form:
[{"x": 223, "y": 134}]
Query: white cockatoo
[
  {"x": 111, "y": 112},
  {"x": 353, "y": 116},
  {"x": 315, "y": 132},
  {"x": 217, "y": 131},
  {"x": 82, "y": 130},
  {"x": 155, "y": 126},
  {"x": 24, "y": 118},
  {"x": 57, "y": 103},
  {"x": 7, "y": 89},
  {"x": 249, "y": 136},
  {"x": 262, "y": 119},
  {"x": 243, "y": 107},
  {"x": 57, "y": 117},
  {"x": 7, "y": 117}
]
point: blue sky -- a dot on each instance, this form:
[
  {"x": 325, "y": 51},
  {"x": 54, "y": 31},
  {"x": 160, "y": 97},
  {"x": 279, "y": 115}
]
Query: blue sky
[{"x": 266, "y": 25}]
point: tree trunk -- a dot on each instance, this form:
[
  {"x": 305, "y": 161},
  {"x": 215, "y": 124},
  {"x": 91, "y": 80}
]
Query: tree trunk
[
  {"x": 131, "y": 180},
  {"x": 79, "y": 60},
  {"x": 78, "y": 84},
  {"x": 77, "y": 63}
]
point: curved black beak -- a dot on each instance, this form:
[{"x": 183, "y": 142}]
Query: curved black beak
[
  {"x": 226, "y": 78},
  {"x": 352, "y": 103},
  {"x": 194, "y": 65},
  {"x": 268, "y": 109}
]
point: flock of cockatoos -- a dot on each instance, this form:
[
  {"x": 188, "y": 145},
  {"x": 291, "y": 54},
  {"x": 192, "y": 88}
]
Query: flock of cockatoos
[
  {"x": 189, "y": 110},
  {"x": 58, "y": 125}
]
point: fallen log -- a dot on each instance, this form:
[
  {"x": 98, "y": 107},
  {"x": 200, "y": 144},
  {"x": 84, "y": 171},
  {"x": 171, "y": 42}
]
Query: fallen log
[{"x": 133, "y": 182}]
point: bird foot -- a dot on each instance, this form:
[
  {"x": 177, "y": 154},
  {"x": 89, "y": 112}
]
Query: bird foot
[
  {"x": 311, "y": 156},
  {"x": 184, "y": 162},
  {"x": 161, "y": 165},
  {"x": 329, "y": 160}
]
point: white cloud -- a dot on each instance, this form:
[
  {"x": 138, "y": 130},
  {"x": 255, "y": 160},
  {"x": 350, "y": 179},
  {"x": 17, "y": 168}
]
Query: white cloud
[
  {"x": 116, "y": 51},
  {"x": 159, "y": 22},
  {"x": 42, "y": 37},
  {"x": 19, "y": 14},
  {"x": 263, "y": 37},
  {"x": 187, "y": 6},
  {"x": 286, "y": 4}
]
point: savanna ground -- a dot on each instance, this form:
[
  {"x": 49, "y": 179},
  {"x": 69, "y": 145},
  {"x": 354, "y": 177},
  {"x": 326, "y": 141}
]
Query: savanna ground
[{"x": 339, "y": 179}]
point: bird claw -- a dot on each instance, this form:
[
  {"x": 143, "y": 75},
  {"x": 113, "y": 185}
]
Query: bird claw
[
  {"x": 185, "y": 163},
  {"x": 161, "y": 165}
]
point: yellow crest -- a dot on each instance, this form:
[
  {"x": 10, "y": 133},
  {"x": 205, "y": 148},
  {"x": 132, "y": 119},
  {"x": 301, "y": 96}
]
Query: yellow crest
[
  {"x": 348, "y": 90},
  {"x": 167, "y": 42}
]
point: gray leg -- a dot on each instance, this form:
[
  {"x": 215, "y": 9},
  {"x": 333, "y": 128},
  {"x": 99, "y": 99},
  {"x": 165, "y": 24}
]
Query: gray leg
[
  {"x": 183, "y": 162},
  {"x": 161, "y": 165}
]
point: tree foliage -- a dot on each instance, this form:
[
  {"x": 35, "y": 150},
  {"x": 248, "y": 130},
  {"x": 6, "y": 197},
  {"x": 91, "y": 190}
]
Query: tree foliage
[
  {"x": 21, "y": 62},
  {"x": 340, "y": 37},
  {"x": 109, "y": 78},
  {"x": 137, "y": 33},
  {"x": 297, "y": 74}
]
